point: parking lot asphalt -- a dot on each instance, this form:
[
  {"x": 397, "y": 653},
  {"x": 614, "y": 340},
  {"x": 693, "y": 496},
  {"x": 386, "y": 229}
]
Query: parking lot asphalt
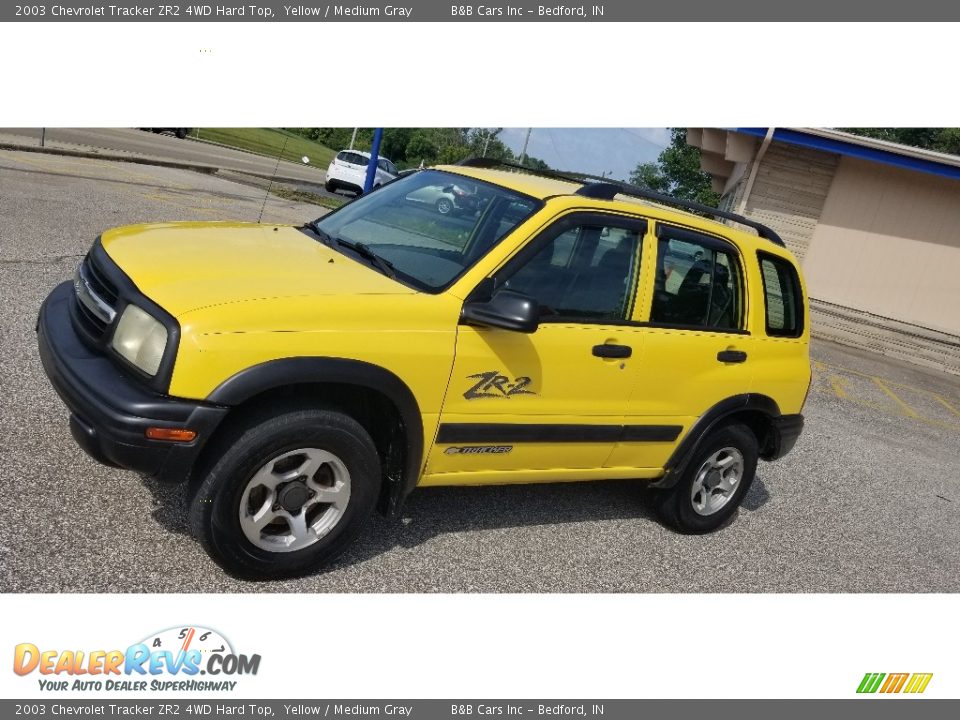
[{"x": 867, "y": 502}]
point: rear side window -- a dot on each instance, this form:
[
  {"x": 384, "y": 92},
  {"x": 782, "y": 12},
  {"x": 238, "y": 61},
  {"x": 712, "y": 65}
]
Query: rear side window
[
  {"x": 781, "y": 296},
  {"x": 698, "y": 282}
]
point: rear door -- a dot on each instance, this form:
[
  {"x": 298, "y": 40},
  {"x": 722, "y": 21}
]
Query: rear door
[
  {"x": 697, "y": 349},
  {"x": 545, "y": 405},
  {"x": 386, "y": 171},
  {"x": 783, "y": 334}
]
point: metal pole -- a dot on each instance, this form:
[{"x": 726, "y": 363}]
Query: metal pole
[
  {"x": 374, "y": 156},
  {"x": 270, "y": 186},
  {"x": 523, "y": 153},
  {"x": 486, "y": 144},
  {"x": 43, "y": 137},
  {"x": 353, "y": 139}
]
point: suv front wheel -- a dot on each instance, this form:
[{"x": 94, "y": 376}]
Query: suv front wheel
[
  {"x": 288, "y": 495},
  {"x": 714, "y": 482}
]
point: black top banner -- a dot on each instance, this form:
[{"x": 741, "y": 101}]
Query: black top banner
[{"x": 496, "y": 11}]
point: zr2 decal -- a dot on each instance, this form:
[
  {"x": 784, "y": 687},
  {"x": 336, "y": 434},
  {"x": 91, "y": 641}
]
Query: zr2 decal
[{"x": 494, "y": 385}]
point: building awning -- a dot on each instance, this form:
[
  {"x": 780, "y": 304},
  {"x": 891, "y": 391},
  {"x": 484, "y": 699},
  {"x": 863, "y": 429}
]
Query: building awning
[{"x": 725, "y": 151}]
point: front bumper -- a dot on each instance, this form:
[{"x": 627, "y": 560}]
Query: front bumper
[{"x": 110, "y": 411}]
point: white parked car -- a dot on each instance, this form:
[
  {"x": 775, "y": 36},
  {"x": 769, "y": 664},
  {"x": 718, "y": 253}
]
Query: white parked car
[
  {"x": 348, "y": 170},
  {"x": 452, "y": 198}
]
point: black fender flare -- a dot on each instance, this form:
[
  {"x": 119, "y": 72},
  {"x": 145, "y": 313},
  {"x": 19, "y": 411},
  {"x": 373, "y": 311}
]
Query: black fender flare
[
  {"x": 275, "y": 374},
  {"x": 706, "y": 423}
]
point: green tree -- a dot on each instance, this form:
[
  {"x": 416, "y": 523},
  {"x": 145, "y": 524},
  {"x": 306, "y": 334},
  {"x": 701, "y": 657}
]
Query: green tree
[
  {"x": 394, "y": 143},
  {"x": 677, "y": 172},
  {"x": 536, "y": 163},
  {"x": 486, "y": 142},
  {"x": 408, "y": 147},
  {"x": 420, "y": 148},
  {"x": 649, "y": 175}
]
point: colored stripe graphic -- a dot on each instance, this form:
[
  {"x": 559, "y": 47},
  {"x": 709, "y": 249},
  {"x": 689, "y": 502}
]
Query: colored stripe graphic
[
  {"x": 894, "y": 683},
  {"x": 870, "y": 682},
  {"x": 918, "y": 682}
]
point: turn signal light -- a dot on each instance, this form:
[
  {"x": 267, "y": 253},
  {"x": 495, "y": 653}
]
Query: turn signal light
[{"x": 171, "y": 434}]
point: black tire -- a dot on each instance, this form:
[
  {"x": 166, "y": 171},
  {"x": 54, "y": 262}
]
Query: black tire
[
  {"x": 181, "y": 133},
  {"x": 330, "y": 186},
  {"x": 676, "y": 506},
  {"x": 444, "y": 206},
  {"x": 215, "y": 507}
]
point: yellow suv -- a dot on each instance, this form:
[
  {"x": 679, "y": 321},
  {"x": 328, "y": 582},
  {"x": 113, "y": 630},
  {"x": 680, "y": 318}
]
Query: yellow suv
[{"x": 562, "y": 329}]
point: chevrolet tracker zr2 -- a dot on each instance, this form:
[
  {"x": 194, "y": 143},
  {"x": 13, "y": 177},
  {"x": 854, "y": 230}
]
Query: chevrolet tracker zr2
[{"x": 297, "y": 378}]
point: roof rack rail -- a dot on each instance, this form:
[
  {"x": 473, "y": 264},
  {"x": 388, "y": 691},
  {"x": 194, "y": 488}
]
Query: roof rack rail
[{"x": 606, "y": 189}]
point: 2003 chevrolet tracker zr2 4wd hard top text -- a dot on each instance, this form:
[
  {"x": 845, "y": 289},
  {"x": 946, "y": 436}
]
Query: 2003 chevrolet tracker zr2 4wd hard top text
[{"x": 298, "y": 377}]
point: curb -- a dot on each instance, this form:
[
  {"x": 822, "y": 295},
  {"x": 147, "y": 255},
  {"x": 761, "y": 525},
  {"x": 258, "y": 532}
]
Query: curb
[
  {"x": 136, "y": 159},
  {"x": 141, "y": 160}
]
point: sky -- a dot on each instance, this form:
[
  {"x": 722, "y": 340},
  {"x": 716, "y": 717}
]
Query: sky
[{"x": 613, "y": 152}]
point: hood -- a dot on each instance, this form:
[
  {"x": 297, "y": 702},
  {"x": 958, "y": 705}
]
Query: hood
[{"x": 191, "y": 265}]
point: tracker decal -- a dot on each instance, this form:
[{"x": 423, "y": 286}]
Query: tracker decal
[{"x": 479, "y": 450}]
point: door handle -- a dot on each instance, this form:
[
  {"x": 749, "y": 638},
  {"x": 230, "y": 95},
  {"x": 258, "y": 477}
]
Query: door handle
[
  {"x": 732, "y": 356},
  {"x": 609, "y": 350}
]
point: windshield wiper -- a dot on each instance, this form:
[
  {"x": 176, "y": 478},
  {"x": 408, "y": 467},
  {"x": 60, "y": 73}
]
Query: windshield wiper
[
  {"x": 382, "y": 264},
  {"x": 315, "y": 229}
]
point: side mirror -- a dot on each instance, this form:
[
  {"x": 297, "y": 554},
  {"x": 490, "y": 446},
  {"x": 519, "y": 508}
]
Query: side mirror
[{"x": 507, "y": 309}]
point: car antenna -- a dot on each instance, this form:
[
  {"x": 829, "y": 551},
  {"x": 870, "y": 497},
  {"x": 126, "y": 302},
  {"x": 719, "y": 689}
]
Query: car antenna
[{"x": 270, "y": 186}]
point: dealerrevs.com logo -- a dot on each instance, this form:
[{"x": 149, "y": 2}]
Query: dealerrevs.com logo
[
  {"x": 892, "y": 683},
  {"x": 172, "y": 660}
]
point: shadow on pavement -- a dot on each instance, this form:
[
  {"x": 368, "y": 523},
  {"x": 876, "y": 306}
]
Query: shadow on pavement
[{"x": 431, "y": 512}]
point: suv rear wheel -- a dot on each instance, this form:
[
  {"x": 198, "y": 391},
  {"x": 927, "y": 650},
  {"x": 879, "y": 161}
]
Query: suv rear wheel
[
  {"x": 714, "y": 483},
  {"x": 288, "y": 496}
]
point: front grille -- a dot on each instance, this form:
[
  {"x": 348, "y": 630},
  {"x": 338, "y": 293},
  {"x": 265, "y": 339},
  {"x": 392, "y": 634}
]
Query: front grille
[
  {"x": 92, "y": 324},
  {"x": 99, "y": 282},
  {"x": 94, "y": 314}
]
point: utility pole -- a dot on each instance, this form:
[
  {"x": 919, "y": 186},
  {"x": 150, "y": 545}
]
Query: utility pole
[
  {"x": 353, "y": 138},
  {"x": 523, "y": 153},
  {"x": 486, "y": 144}
]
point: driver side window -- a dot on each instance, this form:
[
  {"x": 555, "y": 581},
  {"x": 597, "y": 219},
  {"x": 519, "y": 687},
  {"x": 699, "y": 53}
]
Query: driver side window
[{"x": 586, "y": 272}]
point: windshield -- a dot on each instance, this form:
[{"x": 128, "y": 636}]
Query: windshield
[{"x": 430, "y": 225}]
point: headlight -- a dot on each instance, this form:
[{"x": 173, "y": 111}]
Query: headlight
[{"x": 141, "y": 339}]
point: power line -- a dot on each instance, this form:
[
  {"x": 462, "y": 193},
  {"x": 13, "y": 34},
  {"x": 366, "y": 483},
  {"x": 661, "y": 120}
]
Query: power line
[{"x": 563, "y": 163}]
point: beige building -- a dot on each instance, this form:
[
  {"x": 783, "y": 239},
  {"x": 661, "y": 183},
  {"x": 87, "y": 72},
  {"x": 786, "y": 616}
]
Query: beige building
[{"x": 875, "y": 224}]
